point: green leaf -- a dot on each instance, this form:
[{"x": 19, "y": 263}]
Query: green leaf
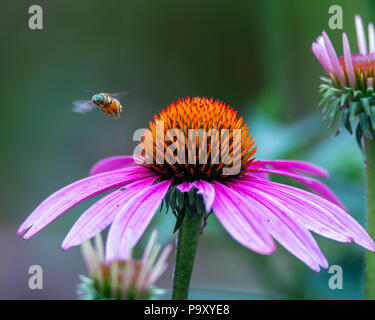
[
  {"x": 179, "y": 219},
  {"x": 191, "y": 196},
  {"x": 358, "y": 136},
  {"x": 357, "y": 94},
  {"x": 365, "y": 125},
  {"x": 343, "y": 99},
  {"x": 332, "y": 109},
  {"x": 167, "y": 200},
  {"x": 333, "y": 117},
  {"x": 344, "y": 115},
  {"x": 323, "y": 87},
  {"x": 348, "y": 126},
  {"x": 327, "y": 80},
  {"x": 161, "y": 206},
  {"x": 372, "y": 116},
  {"x": 326, "y": 97},
  {"x": 353, "y": 109},
  {"x": 366, "y": 105},
  {"x": 172, "y": 198},
  {"x": 180, "y": 198},
  {"x": 327, "y": 104},
  {"x": 188, "y": 205}
]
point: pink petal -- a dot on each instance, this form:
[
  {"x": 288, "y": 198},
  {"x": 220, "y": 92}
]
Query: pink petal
[
  {"x": 101, "y": 214},
  {"x": 259, "y": 175},
  {"x": 334, "y": 60},
  {"x": 207, "y": 191},
  {"x": 244, "y": 223},
  {"x": 371, "y": 38},
  {"x": 325, "y": 213},
  {"x": 321, "y": 54},
  {"x": 370, "y": 82},
  {"x": 133, "y": 219},
  {"x": 302, "y": 166},
  {"x": 361, "y": 38},
  {"x": 66, "y": 198},
  {"x": 288, "y": 232},
  {"x": 112, "y": 163},
  {"x": 185, "y": 186},
  {"x": 312, "y": 216},
  {"x": 313, "y": 184},
  {"x": 348, "y": 60}
]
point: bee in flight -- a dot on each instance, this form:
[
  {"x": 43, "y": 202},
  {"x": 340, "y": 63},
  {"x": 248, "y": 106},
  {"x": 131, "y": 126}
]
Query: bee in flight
[{"x": 107, "y": 102}]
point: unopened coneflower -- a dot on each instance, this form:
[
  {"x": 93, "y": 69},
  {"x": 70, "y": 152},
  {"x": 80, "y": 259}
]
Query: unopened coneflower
[
  {"x": 348, "y": 92},
  {"x": 348, "y": 99},
  {"x": 126, "y": 278},
  {"x": 198, "y": 156}
]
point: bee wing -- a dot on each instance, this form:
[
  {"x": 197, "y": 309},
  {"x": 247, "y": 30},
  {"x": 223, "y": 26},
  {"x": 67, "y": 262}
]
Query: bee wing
[
  {"x": 118, "y": 94},
  {"x": 88, "y": 91},
  {"x": 83, "y": 106}
]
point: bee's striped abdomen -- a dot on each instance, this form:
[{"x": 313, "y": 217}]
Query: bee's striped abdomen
[{"x": 107, "y": 100}]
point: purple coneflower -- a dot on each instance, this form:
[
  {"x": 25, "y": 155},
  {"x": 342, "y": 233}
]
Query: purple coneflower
[
  {"x": 348, "y": 93},
  {"x": 250, "y": 207},
  {"x": 123, "y": 279}
]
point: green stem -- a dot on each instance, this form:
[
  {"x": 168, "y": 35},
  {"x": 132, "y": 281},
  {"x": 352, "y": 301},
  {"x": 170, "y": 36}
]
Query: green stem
[
  {"x": 187, "y": 244},
  {"x": 370, "y": 196}
]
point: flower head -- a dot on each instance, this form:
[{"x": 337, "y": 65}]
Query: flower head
[
  {"x": 348, "y": 93},
  {"x": 196, "y": 126},
  {"x": 123, "y": 279},
  {"x": 253, "y": 209}
]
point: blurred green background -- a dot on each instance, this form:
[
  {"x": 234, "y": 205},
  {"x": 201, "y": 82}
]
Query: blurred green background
[{"x": 254, "y": 55}]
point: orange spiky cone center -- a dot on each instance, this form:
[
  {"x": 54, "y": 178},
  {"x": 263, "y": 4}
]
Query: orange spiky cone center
[
  {"x": 210, "y": 118},
  {"x": 363, "y": 67}
]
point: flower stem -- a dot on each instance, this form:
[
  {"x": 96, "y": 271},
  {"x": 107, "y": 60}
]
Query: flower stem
[
  {"x": 187, "y": 243},
  {"x": 370, "y": 196}
]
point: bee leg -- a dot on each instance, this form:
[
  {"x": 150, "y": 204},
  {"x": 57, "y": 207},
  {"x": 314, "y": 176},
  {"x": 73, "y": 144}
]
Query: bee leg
[
  {"x": 110, "y": 113},
  {"x": 103, "y": 110}
]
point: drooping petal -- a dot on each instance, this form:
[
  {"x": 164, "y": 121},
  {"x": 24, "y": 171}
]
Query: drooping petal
[
  {"x": 315, "y": 185},
  {"x": 243, "y": 222},
  {"x": 313, "y": 217},
  {"x": 371, "y": 38},
  {"x": 66, "y": 198},
  {"x": 322, "y": 215},
  {"x": 286, "y": 230},
  {"x": 133, "y": 219},
  {"x": 361, "y": 38},
  {"x": 302, "y": 166},
  {"x": 112, "y": 163},
  {"x": 334, "y": 60},
  {"x": 348, "y": 61},
  {"x": 101, "y": 214},
  {"x": 207, "y": 191},
  {"x": 185, "y": 186},
  {"x": 258, "y": 174}
]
